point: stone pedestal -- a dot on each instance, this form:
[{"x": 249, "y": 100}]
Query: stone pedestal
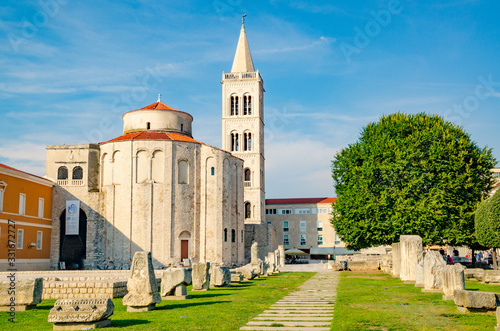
[
  {"x": 219, "y": 276},
  {"x": 81, "y": 314},
  {"x": 236, "y": 278},
  {"x": 281, "y": 250},
  {"x": 141, "y": 285},
  {"x": 453, "y": 279},
  {"x": 201, "y": 276},
  {"x": 433, "y": 267},
  {"x": 173, "y": 283},
  {"x": 28, "y": 293},
  {"x": 396, "y": 259},
  {"x": 411, "y": 254}
]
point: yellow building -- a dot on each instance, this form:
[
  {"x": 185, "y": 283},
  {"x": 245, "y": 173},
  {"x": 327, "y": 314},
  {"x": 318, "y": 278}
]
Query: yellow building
[{"x": 25, "y": 220}]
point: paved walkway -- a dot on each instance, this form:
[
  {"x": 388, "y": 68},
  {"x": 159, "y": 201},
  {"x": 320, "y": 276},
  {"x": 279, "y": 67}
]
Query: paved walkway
[{"x": 310, "y": 307}]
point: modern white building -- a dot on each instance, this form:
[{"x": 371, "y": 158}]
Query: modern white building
[{"x": 304, "y": 223}]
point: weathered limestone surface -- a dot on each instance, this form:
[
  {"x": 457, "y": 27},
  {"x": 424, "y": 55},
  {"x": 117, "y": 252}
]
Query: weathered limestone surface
[
  {"x": 476, "y": 299},
  {"x": 474, "y": 274},
  {"x": 172, "y": 278},
  {"x": 491, "y": 276},
  {"x": 201, "y": 276},
  {"x": 236, "y": 278},
  {"x": 411, "y": 254},
  {"x": 497, "y": 328},
  {"x": 433, "y": 264},
  {"x": 220, "y": 276},
  {"x": 277, "y": 259},
  {"x": 386, "y": 263},
  {"x": 82, "y": 312},
  {"x": 281, "y": 249},
  {"x": 396, "y": 259},
  {"x": 419, "y": 275},
  {"x": 254, "y": 257},
  {"x": 271, "y": 262},
  {"x": 247, "y": 272},
  {"x": 28, "y": 292},
  {"x": 363, "y": 265},
  {"x": 453, "y": 279},
  {"x": 142, "y": 287}
]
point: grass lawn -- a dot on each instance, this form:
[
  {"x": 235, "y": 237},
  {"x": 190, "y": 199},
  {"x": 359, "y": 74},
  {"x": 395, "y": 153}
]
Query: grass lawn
[
  {"x": 376, "y": 301},
  {"x": 218, "y": 309}
]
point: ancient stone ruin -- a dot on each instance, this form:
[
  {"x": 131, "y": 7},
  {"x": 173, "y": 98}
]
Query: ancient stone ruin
[
  {"x": 27, "y": 293},
  {"x": 453, "y": 279},
  {"x": 81, "y": 314},
  {"x": 411, "y": 254},
  {"x": 142, "y": 287},
  {"x": 174, "y": 282},
  {"x": 219, "y": 276},
  {"x": 433, "y": 269},
  {"x": 201, "y": 276}
]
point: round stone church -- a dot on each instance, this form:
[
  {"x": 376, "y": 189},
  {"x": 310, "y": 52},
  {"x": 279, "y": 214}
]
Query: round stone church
[{"x": 154, "y": 188}]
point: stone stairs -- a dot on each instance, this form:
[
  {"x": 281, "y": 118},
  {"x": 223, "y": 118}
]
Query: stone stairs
[{"x": 310, "y": 307}]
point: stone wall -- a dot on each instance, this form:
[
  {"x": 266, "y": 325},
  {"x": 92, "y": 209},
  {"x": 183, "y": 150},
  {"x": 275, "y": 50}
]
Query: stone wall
[{"x": 265, "y": 235}]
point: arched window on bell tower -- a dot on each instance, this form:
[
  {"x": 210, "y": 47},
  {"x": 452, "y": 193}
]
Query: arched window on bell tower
[
  {"x": 234, "y": 105},
  {"x": 247, "y": 105},
  {"x": 248, "y": 210}
]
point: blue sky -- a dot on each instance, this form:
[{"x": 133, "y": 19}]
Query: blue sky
[{"x": 70, "y": 69}]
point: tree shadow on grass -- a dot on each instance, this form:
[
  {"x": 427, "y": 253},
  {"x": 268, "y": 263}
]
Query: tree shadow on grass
[
  {"x": 123, "y": 323},
  {"x": 188, "y": 304},
  {"x": 44, "y": 307}
]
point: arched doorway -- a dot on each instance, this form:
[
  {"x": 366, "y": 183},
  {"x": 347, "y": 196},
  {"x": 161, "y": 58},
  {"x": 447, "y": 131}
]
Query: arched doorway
[{"x": 73, "y": 248}]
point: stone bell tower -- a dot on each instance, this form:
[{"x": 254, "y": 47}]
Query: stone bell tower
[{"x": 243, "y": 125}]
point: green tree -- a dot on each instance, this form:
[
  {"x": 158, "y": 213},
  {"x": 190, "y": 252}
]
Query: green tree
[
  {"x": 410, "y": 174},
  {"x": 487, "y": 220}
]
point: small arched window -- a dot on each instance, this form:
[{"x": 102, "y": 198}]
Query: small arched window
[
  {"x": 225, "y": 235},
  {"x": 62, "y": 173},
  {"x": 248, "y": 210},
  {"x": 212, "y": 171},
  {"x": 77, "y": 173},
  {"x": 235, "y": 142},
  {"x": 233, "y": 235},
  {"x": 182, "y": 127},
  {"x": 247, "y": 105},
  {"x": 247, "y": 175},
  {"x": 148, "y": 126}
]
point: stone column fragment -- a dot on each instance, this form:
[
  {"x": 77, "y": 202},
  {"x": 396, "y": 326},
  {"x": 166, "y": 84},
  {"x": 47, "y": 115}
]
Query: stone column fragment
[
  {"x": 411, "y": 254},
  {"x": 201, "y": 276},
  {"x": 433, "y": 268},
  {"x": 453, "y": 279},
  {"x": 396, "y": 259}
]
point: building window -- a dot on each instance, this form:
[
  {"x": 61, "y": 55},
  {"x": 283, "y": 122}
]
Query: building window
[
  {"x": 322, "y": 211},
  {"x": 320, "y": 239},
  {"x": 247, "y": 105},
  {"x": 286, "y": 241},
  {"x": 234, "y": 105},
  {"x": 225, "y": 235},
  {"x": 248, "y": 176},
  {"x": 77, "y": 173},
  {"x": 270, "y": 211},
  {"x": 286, "y": 211},
  {"x": 248, "y": 210},
  {"x": 241, "y": 235},
  {"x": 269, "y": 223},
  {"x": 337, "y": 239},
  {"x": 320, "y": 225},
  {"x": 183, "y": 172},
  {"x": 62, "y": 173},
  {"x": 40, "y": 207},
  {"x": 235, "y": 144},
  {"x": 182, "y": 127},
  {"x": 39, "y": 240},
  {"x": 285, "y": 226},
  {"x": 148, "y": 126},
  {"x": 302, "y": 240},
  {"x": 303, "y": 211},
  {"x": 22, "y": 204},
  {"x": 20, "y": 238},
  {"x": 1, "y": 199},
  {"x": 233, "y": 235},
  {"x": 247, "y": 141},
  {"x": 302, "y": 226},
  {"x": 212, "y": 171}
]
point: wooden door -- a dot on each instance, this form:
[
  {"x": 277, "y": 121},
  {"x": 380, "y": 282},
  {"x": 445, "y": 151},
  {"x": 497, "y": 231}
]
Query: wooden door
[{"x": 184, "y": 249}]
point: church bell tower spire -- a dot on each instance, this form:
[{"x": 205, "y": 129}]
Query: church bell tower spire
[{"x": 243, "y": 125}]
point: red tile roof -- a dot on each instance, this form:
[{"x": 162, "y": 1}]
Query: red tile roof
[
  {"x": 24, "y": 172},
  {"x": 153, "y": 135},
  {"x": 158, "y": 105},
  {"x": 299, "y": 200}
]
